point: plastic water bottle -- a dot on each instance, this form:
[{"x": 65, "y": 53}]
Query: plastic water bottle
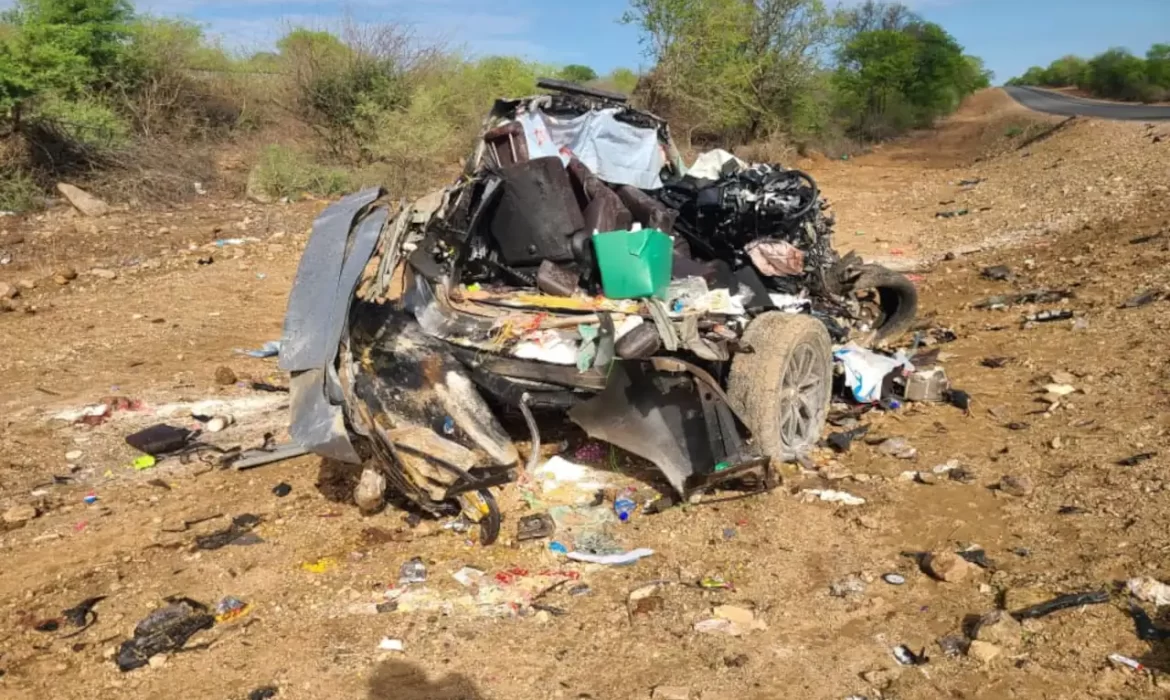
[{"x": 624, "y": 504}]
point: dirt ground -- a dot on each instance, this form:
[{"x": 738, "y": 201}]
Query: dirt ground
[{"x": 1063, "y": 213}]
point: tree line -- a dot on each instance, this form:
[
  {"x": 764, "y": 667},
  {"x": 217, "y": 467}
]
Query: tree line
[
  {"x": 1115, "y": 74},
  {"x": 91, "y": 86}
]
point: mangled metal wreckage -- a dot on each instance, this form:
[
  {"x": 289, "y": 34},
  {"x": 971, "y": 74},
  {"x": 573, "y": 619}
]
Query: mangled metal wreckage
[{"x": 686, "y": 316}]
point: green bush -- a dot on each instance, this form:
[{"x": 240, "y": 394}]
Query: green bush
[
  {"x": 283, "y": 172},
  {"x": 19, "y": 191},
  {"x": 87, "y": 121}
]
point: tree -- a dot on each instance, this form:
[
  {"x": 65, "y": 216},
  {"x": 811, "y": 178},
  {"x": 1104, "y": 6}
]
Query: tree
[
  {"x": 1118, "y": 73},
  {"x": 1158, "y": 65},
  {"x": 729, "y": 66},
  {"x": 578, "y": 74},
  {"x": 623, "y": 80},
  {"x": 871, "y": 16},
  {"x": 1066, "y": 71}
]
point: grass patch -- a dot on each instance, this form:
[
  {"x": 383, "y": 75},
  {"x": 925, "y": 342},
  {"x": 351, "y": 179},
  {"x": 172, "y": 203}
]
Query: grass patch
[
  {"x": 283, "y": 172},
  {"x": 19, "y": 191}
]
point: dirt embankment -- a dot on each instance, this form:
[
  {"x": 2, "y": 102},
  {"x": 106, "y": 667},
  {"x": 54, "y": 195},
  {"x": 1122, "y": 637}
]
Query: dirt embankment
[{"x": 1085, "y": 210}]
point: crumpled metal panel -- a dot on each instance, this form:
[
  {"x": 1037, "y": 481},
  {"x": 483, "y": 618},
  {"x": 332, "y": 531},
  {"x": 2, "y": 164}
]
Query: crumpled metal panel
[
  {"x": 305, "y": 344},
  {"x": 650, "y": 414},
  {"x": 317, "y": 424}
]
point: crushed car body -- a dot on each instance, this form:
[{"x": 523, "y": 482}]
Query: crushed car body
[{"x": 576, "y": 267}]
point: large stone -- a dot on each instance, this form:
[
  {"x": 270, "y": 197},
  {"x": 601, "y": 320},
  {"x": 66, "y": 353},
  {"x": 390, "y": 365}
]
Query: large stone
[
  {"x": 224, "y": 376},
  {"x": 946, "y": 566},
  {"x": 370, "y": 494},
  {"x": 1020, "y": 486},
  {"x": 83, "y": 201},
  {"x": 1000, "y": 628},
  {"x": 983, "y": 651},
  {"x": 103, "y": 273},
  {"x": 18, "y": 515},
  {"x": 254, "y": 190},
  {"x": 8, "y": 291}
]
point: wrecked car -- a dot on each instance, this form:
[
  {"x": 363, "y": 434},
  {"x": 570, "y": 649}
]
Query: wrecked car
[{"x": 685, "y": 315}]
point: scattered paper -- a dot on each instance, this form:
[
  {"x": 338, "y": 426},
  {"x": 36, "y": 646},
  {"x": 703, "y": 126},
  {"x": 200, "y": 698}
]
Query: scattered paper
[{"x": 611, "y": 559}]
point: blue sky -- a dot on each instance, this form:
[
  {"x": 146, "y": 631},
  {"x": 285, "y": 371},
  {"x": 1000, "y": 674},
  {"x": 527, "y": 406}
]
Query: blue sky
[{"x": 1010, "y": 35}]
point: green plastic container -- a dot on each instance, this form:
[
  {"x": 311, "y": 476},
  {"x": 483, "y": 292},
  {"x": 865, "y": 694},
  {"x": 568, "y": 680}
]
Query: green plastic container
[{"x": 634, "y": 264}]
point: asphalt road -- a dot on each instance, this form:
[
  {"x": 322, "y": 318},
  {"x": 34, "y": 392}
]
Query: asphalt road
[{"x": 1068, "y": 106}]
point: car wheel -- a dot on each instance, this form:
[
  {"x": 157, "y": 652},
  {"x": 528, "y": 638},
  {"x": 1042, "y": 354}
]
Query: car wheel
[
  {"x": 782, "y": 387},
  {"x": 896, "y": 299}
]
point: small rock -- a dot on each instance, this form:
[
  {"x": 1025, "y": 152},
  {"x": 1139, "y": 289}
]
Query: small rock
[
  {"x": 83, "y": 201},
  {"x": 998, "y": 627},
  {"x": 897, "y": 447},
  {"x": 736, "y": 661},
  {"x": 1020, "y": 486},
  {"x": 174, "y": 525},
  {"x": 103, "y": 273},
  {"x": 370, "y": 493},
  {"x": 73, "y": 455},
  {"x": 224, "y": 376},
  {"x": 27, "y": 284},
  {"x": 849, "y": 587},
  {"x": 1056, "y": 443},
  {"x": 543, "y": 617},
  {"x": 737, "y": 615},
  {"x": 158, "y": 661},
  {"x": 20, "y": 514},
  {"x": 983, "y": 651},
  {"x": 1061, "y": 377},
  {"x": 947, "y": 566},
  {"x": 8, "y": 291},
  {"x": 67, "y": 273},
  {"x": 670, "y": 692},
  {"x": 869, "y": 522},
  {"x": 881, "y": 677}
]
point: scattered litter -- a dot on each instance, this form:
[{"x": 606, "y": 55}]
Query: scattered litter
[
  {"x": 388, "y": 644},
  {"x": 1126, "y": 661},
  {"x": 624, "y": 505},
  {"x": 978, "y": 557},
  {"x": 830, "y": 496},
  {"x": 83, "y": 615},
  {"x": 320, "y": 566},
  {"x": 907, "y": 657},
  {"x": 235, "y": 533},
  {"x": 230, "y": 608},
  {"x": 534, "y": 527},
  {"x": 90, "y": 498},
  {"x": 160, "y": 439},
  {"x": 144, "y": 462},
  {"x": 164, "y": 630},
  {"x": 1136, "y": 459},
  {"x": 897, "y": 447},
  {"x": 413, "y": 571},
  {"x": 557, "y": 548},
  {"x": 611, "y": 559},
  {"x": 731, "y": 620},
  {"x": 1072, "y": 600},
  {"x": 1060, "y": 389},
  {"x": 927, "y": 385},
  {"x": 73, "y": 455},
  {"x": 468, "y": 576},
  {"x": 577, "y": 483},
  {"x": 1071, "y": 510},
  {"x": 843, "y": 441},
  {"x": 1149, "y": 590},
  {"x": 995, "y": 362},
  {"x": 894, "y": 579},
  {"x": 48, "y": 626},
  {"x": 580, "y": 589},
  {"x": 1144, "y": 626},
  {"x": 1143, "y": 299},
  {"x": 866, "y": 370},
  {"x": 999, "y": 273},
  {"x": 268, "y": 349},
  {"x": 953, "y": 645},
  {"x": 592, "y": 451},
  {"x": 849, "y": 587},
  {"x": 951, "y": 214},
  {"x": 282, "y": 489},
  {"x": 1049, "y": 316},
  {"x": 266, "y": 692},
  {"x": 715, "y": 583},
  {"x": 960, "y": 400}
]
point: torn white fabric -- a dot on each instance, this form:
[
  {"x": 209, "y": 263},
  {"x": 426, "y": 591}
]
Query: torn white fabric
[{"x": 618, "y": 153}]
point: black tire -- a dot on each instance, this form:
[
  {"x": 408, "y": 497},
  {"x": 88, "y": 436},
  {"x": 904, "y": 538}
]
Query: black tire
[
  {"x": 897, "y": 299},
  {"x": 760, "y": 384}
]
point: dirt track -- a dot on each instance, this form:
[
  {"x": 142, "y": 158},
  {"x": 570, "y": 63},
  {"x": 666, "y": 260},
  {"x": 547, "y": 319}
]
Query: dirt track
[{"x": 1061, "y": 213}]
